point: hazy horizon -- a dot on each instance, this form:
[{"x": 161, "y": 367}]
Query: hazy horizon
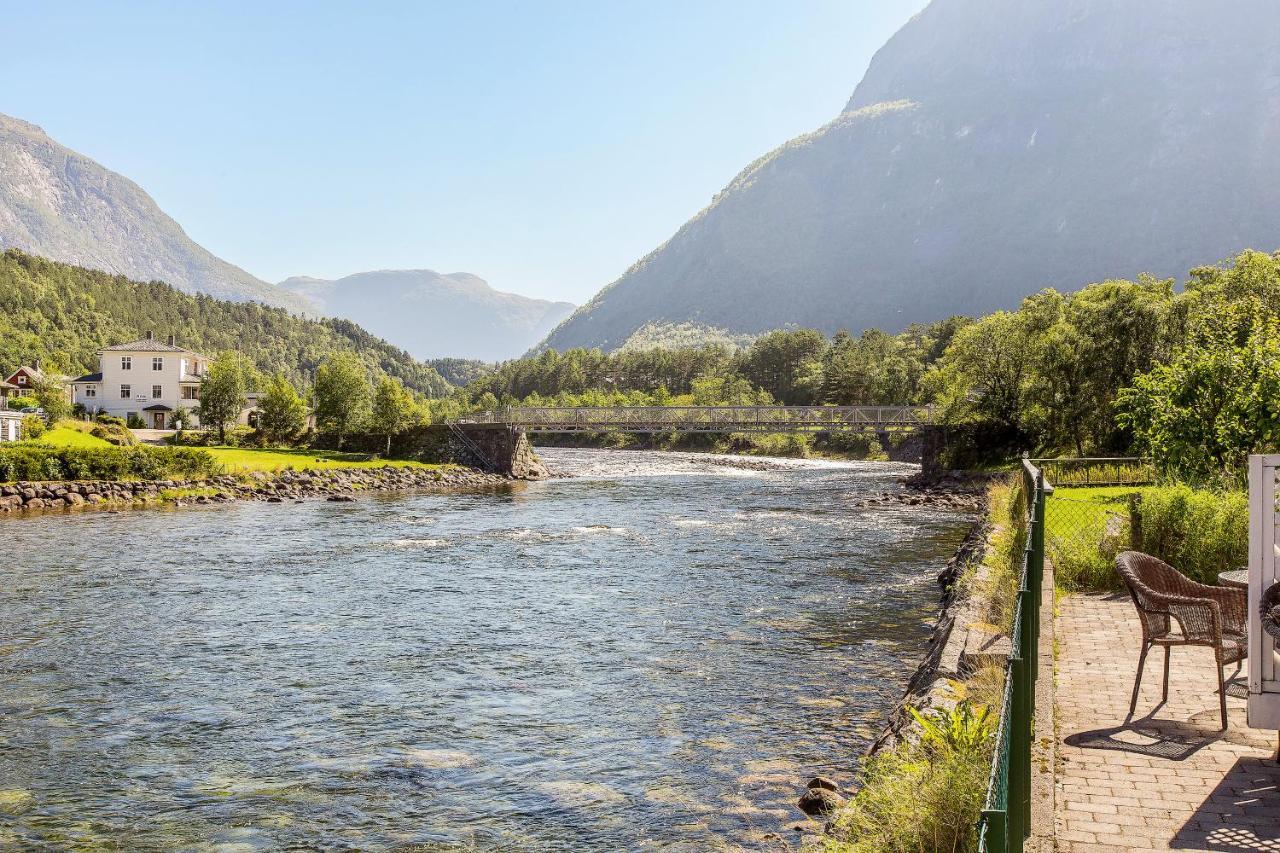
[{"x": 544, "y": 150}]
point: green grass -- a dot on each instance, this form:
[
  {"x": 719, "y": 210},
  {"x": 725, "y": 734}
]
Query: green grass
[
  {"x": 243, "y": 459},
  {"x": 1076, "y": 534},
  {"x": 63, "y": 436}
]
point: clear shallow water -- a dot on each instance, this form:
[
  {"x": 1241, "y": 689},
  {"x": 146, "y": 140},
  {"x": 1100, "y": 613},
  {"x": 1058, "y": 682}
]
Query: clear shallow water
[{"x": 656, "y": 653}]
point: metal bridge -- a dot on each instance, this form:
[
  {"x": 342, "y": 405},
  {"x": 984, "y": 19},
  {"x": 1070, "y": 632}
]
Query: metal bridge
[{"x": 661, "y": 419}]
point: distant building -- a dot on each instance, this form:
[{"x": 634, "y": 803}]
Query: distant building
[
  {"x": 145, "y": 378},
  {"x": 10, "y": 422}
]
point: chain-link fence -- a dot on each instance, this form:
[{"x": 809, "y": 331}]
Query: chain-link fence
[{"x": 1087, "y": 516}]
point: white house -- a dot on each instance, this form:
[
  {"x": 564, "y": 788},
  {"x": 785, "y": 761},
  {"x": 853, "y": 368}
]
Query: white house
[
  {"x": 10, "y": 422},
  {"x": 145, "y": 378}
]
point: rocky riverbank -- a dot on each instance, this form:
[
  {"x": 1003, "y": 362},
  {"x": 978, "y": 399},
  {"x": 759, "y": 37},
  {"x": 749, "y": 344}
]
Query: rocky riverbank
[
  {"x": 336, "y": 484},
  {"x": 955, "y": 647}
]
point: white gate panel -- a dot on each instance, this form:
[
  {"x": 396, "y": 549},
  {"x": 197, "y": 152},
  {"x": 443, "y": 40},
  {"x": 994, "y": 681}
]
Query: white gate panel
[{"x": 1264, "y": 557}]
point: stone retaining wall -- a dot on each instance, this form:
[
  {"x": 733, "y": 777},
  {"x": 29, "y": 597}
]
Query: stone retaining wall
[{"x": 333, "y": 484}]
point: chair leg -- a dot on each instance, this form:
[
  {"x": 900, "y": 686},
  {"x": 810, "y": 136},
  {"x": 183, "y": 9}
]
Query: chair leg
[
  {"x": 1222, "y": 696},
  {"x": 1164, "y": 695},
  {"x": 1137, "y": 681}
]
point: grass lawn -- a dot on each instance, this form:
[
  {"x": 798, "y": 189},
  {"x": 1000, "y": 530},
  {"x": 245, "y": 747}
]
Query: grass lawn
[
  {"x": 62, "y": 436},
  {"x": 1075, "y": 526},
  {"x": 274, "y": 459}
]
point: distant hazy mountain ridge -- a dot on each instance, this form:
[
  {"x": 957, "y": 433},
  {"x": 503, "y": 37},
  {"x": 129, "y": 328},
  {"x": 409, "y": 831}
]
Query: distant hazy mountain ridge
[
  {"x": 62, "y": 205},
  {"x": 993, "y": 148},
  {"x": 434, "y": 315}
]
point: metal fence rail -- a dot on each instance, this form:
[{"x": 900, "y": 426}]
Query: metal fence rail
[
  {"x": 647, "y": 419},
  {"x": 1098, "y": 470},
  {"x": 1006, "y": 815}
]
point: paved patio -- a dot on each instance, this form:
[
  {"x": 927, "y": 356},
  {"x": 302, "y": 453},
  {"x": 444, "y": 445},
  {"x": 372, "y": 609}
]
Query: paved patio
[{"x": 1169, "y": 780}]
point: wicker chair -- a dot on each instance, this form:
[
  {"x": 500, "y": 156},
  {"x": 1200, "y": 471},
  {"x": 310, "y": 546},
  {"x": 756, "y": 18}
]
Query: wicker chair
[
  {"x": 1177, "y": 611},
  {"x": 1269, "y": 610}
]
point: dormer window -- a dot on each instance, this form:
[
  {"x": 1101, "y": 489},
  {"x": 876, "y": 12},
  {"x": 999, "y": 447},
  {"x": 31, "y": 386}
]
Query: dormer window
[
  {"x": 157, "y": 363},
  {"x": 126, "y": 362},
  {"x": 22, "y": 379}
]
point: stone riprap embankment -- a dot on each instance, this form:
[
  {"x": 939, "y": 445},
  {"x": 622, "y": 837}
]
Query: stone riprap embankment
[{"x": 333, "y": 484}]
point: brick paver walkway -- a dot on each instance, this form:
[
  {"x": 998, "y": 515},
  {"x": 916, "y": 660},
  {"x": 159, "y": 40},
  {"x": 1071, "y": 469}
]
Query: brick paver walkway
[{"x": 1169, "y": 780}]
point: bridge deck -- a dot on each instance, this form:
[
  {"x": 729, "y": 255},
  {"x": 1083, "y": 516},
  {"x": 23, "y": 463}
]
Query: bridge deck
[{"x": 651, "y": 419}]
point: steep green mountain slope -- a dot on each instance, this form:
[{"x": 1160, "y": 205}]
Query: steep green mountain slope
[
  {"x": 434, "y": 315},
  {"x": 993, "y": 148},
  {"x": 62, "y": 315},
  {"x": 61, "y": 205}
]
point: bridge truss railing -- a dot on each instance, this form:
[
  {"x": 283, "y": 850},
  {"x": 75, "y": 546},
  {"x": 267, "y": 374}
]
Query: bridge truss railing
[{"x": 708, "y": 418}]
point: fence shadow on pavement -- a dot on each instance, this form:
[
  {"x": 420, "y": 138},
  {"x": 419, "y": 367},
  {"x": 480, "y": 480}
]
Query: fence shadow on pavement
[{"x": 1241, "y": 813}]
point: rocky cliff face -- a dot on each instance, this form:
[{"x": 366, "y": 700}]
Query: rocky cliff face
[
  {"x": 433, "y": 315},
  {"x": 994, "y": 147},
  {"x": 64, "y": 206}
]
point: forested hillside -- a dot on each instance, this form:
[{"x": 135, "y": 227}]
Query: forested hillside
[
  {"x": 62, "y": 315},
  {"x": 1192, "y": 377}
]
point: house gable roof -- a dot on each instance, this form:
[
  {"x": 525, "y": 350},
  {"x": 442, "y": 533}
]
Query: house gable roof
[{"x": 146, "y": 345}]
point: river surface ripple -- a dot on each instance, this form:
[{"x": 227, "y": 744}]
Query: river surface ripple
[{"x": 655, "y": 653}]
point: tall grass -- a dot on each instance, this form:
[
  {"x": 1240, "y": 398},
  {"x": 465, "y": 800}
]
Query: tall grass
[
  {"x": 1198, "y": 532},
  {"x": 923, "y": 795}
]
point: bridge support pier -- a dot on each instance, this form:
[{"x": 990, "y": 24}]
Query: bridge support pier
[
  {"x": 932, "y": 442},
  {"x": 502, "y": 449}
]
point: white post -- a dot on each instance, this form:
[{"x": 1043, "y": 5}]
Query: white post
[{"x": 1264, "y": 681}]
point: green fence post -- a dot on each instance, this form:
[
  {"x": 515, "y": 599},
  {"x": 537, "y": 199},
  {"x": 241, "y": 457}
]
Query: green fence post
[{"x": 996, "y": 837}]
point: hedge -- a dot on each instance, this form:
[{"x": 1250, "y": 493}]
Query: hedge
[
  {"x": 29, "y": 461},
  {"x": 1198, "y": 532}
]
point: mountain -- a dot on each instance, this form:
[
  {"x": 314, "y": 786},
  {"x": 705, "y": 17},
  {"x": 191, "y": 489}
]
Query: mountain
[
  {"x": 62, "y": 205},
  {"x": 62, "y": 315},
  {"x": 434, "y": 315},
  {"x": 993, "y": 148}
]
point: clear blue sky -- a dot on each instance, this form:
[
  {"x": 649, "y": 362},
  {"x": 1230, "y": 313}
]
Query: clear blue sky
[{"x": 544, "y": 146}]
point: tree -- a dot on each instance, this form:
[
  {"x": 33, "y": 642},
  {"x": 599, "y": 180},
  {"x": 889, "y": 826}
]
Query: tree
[
  {"x": 394, "y": 409},
  {"x": 282, "y": 414},
  {"x": 51, "y": 396},
  {"x": 341, "y": 394},
  {"x": 1217, "y": 401},
  {"x": 223, "y": 392}
]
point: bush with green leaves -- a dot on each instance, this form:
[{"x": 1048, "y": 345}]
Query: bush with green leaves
[
  {"x": 33, "y": 426},
  {"x": 1200, "y": 532},
  {"x": 922, "y": 795},
  {"x": 30, "y": 461}
]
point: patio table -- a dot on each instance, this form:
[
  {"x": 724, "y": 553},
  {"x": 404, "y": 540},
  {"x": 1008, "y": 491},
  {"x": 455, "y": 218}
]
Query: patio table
[{"x": 1236, "y": 577}]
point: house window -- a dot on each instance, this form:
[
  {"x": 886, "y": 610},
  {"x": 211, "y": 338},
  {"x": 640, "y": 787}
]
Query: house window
[
  {"x": 22, "y": 379},
  {"x": 157, "y": 363},
  {"x": 90, "y": 391},
  {"x": 125, "y": 392},
  {"x": 126, "y": 362},
  {"x": 156, "y": 392},
  {"x": 191, "y": 393}
]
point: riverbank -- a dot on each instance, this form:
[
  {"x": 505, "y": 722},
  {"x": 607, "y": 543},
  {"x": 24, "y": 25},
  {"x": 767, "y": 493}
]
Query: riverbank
[
  {"x": 911, "y": 772},
  {"x": 340, "y": 484}
]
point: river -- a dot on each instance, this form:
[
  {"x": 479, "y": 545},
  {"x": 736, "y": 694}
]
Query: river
[{"x": 654, "y": 653}]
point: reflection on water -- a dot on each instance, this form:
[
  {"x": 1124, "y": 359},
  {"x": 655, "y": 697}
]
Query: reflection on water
[{"x": 656, "y": 653}]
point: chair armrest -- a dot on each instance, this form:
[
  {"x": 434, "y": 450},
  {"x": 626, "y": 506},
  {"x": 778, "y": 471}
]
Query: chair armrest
[{"x": 1233, "y": 603}]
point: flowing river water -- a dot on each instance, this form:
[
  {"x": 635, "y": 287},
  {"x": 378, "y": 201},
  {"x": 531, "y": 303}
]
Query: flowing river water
[{"x": 655, "y": 653}]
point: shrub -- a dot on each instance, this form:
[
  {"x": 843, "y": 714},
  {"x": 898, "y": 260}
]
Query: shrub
[
  {"x": 1199, "y": 532},
  {"x": 33, "y": 426},
  {"x": 110, "y": 419},
  {"x": 924, "y": 795},
  {"x": 25, "y": 461},
  {"x": 135, "y": 421},
  {"x": 17, "y": 404}
]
